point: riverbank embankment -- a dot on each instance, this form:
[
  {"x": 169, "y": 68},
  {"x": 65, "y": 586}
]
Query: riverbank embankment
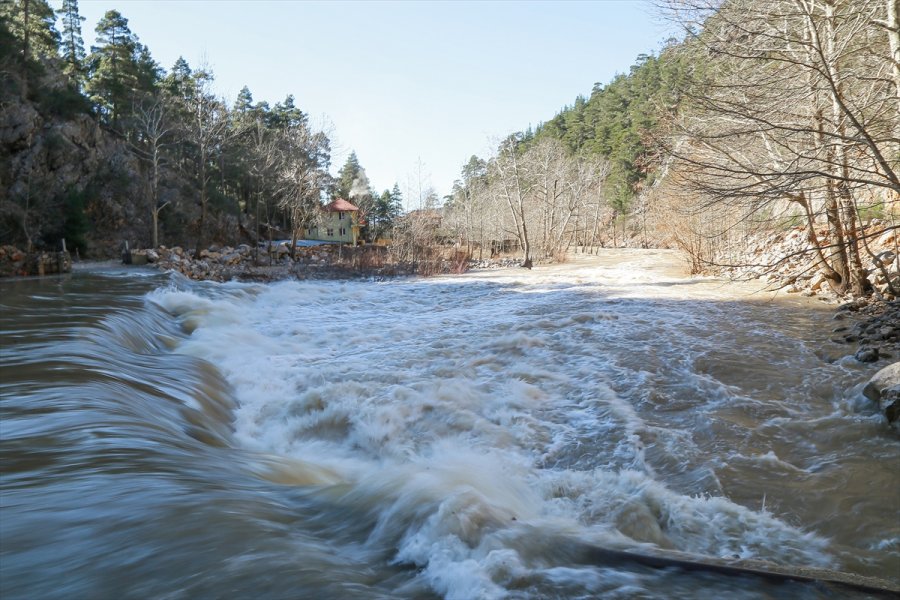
[
  {"x": 784, "y": 262},
  {"x": 326, "y": 261}
]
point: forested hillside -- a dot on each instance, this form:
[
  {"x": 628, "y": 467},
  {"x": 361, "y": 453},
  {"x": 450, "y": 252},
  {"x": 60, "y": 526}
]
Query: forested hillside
[
  {"x": 764, "y": 116},
  {"x": 620, "y": 121},
  {"x": 767, "y": 115},
  {"x": 580, "y": 178},
  {"x": 103, "y": 145}
]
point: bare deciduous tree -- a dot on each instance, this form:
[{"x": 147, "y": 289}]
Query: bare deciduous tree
[
  {"x": 153, "y": 132},
  {"x": 797, "y": 106},
  {"x": 543, "y": 197},
  {"x": 208, "y": 125},
  {"x": 305, "y": 158}
]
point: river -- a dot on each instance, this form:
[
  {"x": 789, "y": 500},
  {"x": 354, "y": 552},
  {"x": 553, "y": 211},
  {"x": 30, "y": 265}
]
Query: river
[{"x": 457, "y": 437}]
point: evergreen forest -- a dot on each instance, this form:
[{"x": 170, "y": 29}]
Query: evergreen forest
[{"x": 103, "y": 144}]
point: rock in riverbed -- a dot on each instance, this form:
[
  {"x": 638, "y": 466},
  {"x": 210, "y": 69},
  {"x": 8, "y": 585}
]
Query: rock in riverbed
[
  {"x": 884, "y": 388},
  {"x": 875, "y": 326},
  {"x": 866, "y": 354}
]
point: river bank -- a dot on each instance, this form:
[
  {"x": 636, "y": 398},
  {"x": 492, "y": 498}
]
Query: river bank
[
  {"x": 16, "y": 263},
  {"x": 782, "y": 262},
  {"x": 325, "y": 261}
]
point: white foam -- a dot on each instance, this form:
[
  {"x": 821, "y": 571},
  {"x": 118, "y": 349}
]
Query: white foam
[{"x": 462, "y": 410}]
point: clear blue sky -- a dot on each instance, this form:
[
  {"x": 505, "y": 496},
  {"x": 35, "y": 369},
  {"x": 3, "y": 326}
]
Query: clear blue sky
[{"x": 400, "y": 81}]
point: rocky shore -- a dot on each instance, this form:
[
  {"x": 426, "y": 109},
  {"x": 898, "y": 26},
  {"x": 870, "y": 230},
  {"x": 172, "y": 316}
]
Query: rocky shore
[
  {"x": 783, "y": 262},
  {"x": 327, "y": 261},
  {"x": 495, "y": 263},
  {"x": 872, "y": 327},
  {"x": 869, "y": 327}
]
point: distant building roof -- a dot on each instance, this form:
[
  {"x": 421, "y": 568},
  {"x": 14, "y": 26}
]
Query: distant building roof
[{"x": 340, "y": 205}]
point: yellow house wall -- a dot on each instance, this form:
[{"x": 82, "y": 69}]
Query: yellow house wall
[{"x": 332, "y": 220}]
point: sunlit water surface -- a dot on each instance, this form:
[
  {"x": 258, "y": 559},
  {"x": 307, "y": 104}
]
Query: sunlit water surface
[{"x": 461, "y": 437}]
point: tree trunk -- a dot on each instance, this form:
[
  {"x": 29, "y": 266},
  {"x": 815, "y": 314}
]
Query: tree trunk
[
  {"x": 839, "y": 265},
  {"x": 154, "y": 196},
  {"x": 25, "y": 41},
  {"x": 526, "y": 247},
  {"x": 858, "y": 281},
  {"x": 201, "y": 230},
  {"x": 294, "y": 242},
  {"x": 893, "y": 33},
  {"x": 256, "y": 241},
  {"x": 814, "y": 241},
  {"x": 155, "y": 227}
]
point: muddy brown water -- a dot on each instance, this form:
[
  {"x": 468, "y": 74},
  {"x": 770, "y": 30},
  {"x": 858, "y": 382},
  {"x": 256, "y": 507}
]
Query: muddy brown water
[{"x": 460, "y": 437}]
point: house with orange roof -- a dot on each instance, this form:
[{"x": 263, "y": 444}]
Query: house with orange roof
[{"x": 337, "y": 222}]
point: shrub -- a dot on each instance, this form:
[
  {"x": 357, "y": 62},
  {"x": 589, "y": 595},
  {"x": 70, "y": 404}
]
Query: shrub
[
  {"x": 64, "y": 102},
  {"x": 459, "y": 261},
  {"x": 77, "y": 224}
]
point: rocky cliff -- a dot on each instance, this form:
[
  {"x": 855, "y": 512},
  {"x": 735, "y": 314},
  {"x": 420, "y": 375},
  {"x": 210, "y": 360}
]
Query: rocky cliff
[{"x": 62, "y": 176}]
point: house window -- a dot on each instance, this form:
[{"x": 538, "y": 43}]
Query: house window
[
  {"x": 330, "y": 232},
  {"x": 341, "y": 216},
  {"x": 343, "y": 231}
]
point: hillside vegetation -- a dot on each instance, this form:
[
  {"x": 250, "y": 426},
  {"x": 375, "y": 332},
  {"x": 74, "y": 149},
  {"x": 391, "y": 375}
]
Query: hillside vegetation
[
  {"x": 104, "y": 146},
  {"x": 768, "y": 115},
  {"x": 763, "y": 118}
]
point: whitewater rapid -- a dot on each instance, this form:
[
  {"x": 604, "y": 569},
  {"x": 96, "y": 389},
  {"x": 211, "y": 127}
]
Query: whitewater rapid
[{"x": 472, "y": 427}]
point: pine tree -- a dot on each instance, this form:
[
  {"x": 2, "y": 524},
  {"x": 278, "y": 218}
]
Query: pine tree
[
  {"x": 285, "y": 115},
  {"x": 378, "y": 220},
  {"x": 147, "y": 71},
  {"x": 177, "y": 82},
  {"x": 396, "y": 208},
  {"x": 244, "y": 102},
  {"x": 32, "y": 24},
  {"x": 114, "y": 68},
  {"x": 576, "y": 130},
  {"x": 385, "y": 211},
  {"x": 348, "y": 173},
  {"x": 72, "y": 47}
]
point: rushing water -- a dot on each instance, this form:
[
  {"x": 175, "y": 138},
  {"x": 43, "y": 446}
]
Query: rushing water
[{"x": 464, "y": 437}]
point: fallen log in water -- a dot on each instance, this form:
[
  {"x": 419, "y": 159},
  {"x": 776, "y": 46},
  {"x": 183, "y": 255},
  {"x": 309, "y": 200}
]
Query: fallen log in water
[{"x": 822, "y": 578}]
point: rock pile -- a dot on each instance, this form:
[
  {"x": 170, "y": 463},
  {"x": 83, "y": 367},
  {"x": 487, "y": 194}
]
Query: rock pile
[
  {"x": 327, "y": 261},
  {"x": 873, "y": 326},
  {"x": 214, "y": 263},
  {"x": 785, "y": 261},
  {"x": 495, "y": 263}
]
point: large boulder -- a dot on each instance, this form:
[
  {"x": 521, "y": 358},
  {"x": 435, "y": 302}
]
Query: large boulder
[{"x": 884, "y": 389}]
